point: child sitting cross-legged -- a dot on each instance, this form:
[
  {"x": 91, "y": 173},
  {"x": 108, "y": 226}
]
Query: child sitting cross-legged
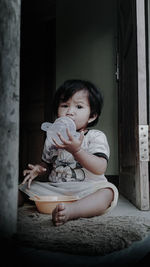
[{"x": 78, "y": 164}]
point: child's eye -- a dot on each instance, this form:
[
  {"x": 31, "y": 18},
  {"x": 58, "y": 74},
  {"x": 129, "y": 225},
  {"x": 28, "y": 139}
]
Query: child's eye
[
  {"x": 79, "y": 106},
  {"x": 64, "y": 105}
]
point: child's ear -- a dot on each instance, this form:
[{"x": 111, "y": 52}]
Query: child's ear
[{"x": 93, "y": 118}]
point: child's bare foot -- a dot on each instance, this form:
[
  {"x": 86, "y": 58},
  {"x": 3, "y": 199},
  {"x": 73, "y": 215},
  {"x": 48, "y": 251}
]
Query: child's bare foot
[
  {"x": 61, "y": 214},
  {"x": 93, "y": 205}
]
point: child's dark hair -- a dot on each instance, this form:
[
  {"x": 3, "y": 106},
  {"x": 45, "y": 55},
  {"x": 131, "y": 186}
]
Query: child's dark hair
[{"x": 70, "y": 87}]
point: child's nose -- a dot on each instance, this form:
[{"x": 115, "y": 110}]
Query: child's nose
[{"x": 70, "y": 111}]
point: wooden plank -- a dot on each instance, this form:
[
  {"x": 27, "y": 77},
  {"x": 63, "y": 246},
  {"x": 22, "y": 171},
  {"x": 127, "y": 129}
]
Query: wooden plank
[
  {"x": 148, "y": 19},
  {"x": 134, "y": 180},
  {"x": 142, "y": 183},
  {"x": 141, "y": 57},
  {"x": 128, "y": 101}
]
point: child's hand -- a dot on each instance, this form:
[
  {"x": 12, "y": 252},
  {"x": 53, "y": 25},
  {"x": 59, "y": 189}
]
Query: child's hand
[
  {"x": 72, "y": 145},
  {"x": 32, "y": 173}
]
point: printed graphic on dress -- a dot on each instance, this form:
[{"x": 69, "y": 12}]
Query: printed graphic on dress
[{"x": 66, "y": 172}]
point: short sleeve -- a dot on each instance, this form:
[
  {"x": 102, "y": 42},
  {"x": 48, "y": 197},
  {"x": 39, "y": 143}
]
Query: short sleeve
[{"x": 98, "y": 144}]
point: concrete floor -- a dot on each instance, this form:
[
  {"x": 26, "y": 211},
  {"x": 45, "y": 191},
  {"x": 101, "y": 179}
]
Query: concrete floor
[{"x": 125, "y": 208}]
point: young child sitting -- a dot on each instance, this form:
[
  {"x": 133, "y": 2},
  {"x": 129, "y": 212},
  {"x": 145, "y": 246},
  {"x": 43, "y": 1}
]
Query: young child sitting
[{"x": 78, "y": 164}]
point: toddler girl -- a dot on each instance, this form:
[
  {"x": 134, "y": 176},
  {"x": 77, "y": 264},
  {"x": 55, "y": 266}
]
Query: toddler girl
[{"x": 77, "y": 165}]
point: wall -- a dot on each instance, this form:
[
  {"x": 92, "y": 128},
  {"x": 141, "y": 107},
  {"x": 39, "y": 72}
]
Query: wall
[
  {"x": 9, "y": 113},
  {"x": 85, "y": 48}
]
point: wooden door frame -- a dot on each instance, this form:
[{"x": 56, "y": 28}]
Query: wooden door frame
[
  {"x": 143, "y": 183},
  {"x": 148, "y": 52},
  {"x": 134, "y": 180}
]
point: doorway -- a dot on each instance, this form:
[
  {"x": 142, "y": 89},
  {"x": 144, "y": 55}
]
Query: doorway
[
  {"x": 37, "y": 76},
  {"x": 77, "y": 39},
  {"x": 79, "y": 51}
]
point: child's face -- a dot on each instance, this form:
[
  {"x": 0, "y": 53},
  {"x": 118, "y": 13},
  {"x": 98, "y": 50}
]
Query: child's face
[{"x": 78, "y": 109}]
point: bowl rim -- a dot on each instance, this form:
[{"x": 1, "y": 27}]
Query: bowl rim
[{"x": 54, "y": 198}]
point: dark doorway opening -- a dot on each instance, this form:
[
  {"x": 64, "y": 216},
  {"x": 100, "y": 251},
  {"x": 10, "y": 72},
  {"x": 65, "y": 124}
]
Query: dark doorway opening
[{"x": 37, "y": 76}]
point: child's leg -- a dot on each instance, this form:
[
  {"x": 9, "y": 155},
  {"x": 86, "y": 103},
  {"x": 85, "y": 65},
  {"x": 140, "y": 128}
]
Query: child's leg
[{"x": 90, "y": 206}]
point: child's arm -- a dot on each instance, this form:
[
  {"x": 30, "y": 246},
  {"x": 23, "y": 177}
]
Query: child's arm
[
  {"x": 92, "y": 163},
  {"x": 34, "y": 171}
]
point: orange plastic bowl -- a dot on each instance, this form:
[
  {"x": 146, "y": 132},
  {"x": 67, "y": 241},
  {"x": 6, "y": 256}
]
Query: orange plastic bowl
[{"x": 46, "y": 204}]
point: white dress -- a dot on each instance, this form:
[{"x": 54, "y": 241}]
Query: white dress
[{"x": 68, "y": 177}]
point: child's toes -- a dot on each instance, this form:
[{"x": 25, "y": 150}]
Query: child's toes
[
  {"x": 58, "y": 223},
  {"x": 61, "y": 207},
  {"x": 61, "y": 218},
  {"x": 61, "y": 213}
]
